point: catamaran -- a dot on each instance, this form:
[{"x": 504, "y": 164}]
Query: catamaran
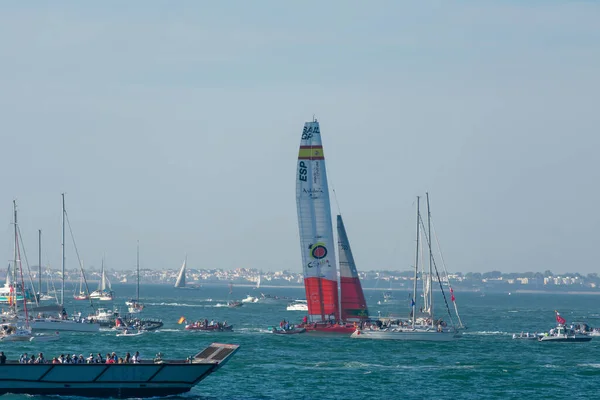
[
  {"x": 104, "y": 291},
  {"x": 325, "y": 312},
  {"x": 422, "y": 324}
]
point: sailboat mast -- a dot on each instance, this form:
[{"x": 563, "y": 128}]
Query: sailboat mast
[
  {"x": 430, "y": 280},
  {"x": 414, "y": 299},
  {"x": 40, "y": 261},
  {"x": 15, "y": 281},
  {"x": 137, "y": 291},
  {"x": 62, "y": 286}
]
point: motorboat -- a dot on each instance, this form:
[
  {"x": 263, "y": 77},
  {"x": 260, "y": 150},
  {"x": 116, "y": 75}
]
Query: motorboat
[
  {"x": 12, "y": 333},
  {"x": 134, "y": 307},
  {"x": 209, "y": 327},
  {"x": 298, "y": 305},
  {"x": 234, "y": 304},
  {"x": 563, "y": 334},
  {"x": 104, "y": 317},
  {"x": 527, "y": 336},
  {"x": 45, "y": 337},
  {"x": 128, "y": 332},
  {"x": 250, "y": 299}
]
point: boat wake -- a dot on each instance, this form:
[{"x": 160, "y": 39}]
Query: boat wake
[
  {"x": 487, "y": 333},
  {"x": 175, "y": 304}
]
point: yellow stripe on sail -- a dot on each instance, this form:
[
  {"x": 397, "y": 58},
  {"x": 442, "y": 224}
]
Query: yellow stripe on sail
[{"x": 311, "y": 153}]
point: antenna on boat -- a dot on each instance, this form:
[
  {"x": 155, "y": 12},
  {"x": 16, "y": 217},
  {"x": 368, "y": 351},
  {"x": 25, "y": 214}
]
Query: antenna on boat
[{"x": 314, "y": 118}]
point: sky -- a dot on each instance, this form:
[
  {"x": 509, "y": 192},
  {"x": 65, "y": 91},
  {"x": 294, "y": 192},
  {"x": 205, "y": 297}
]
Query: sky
[{"x": 178, "y": 123}]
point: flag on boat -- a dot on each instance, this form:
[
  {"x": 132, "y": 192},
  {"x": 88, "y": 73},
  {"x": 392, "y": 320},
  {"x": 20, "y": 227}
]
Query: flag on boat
[
  {"x": 181, "y": 320},
  {"x": 452, "y": 295},
  {"x": 560, "y": 319}
]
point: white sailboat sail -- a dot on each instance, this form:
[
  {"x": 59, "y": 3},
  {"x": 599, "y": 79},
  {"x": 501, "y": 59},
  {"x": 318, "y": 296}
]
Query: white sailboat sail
[
  {"x": 315, "y": 226},
  {"x": 181, "y": 277}
]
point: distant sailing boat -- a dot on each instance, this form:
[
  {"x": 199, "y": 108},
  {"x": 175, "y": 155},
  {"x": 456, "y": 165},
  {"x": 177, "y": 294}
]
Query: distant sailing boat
[
  {"x": 81, "y": 295},
  {"x": 134, "y": 305},
  {"x": 180, "y": 282},
  {"x": 14, "y": 333},
  {"x": 317, "y": 245},
  {"x": 104, "y": 291}
]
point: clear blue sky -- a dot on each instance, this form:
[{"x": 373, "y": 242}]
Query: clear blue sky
[{"x": 178, "y": 123}]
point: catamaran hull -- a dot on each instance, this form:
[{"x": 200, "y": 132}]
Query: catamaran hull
[
  {"x": 427, "y": 336},
  {"x": 328, "y": 328}
]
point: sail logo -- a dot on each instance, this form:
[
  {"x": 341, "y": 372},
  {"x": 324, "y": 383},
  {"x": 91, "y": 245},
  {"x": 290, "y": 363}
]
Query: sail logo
[
  {"x": 302, "y": 171},
  {"x": 318, "y": 250},
  {"x": 308, "y": 131}
]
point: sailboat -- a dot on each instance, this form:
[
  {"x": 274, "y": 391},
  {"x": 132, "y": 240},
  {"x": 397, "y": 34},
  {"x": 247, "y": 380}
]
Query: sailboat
[
  {"x": 61, "y": 322},
  {"x": 317, "y": 245},
  {"x": 134, "y": 305},
  {"x": 104, "y": 291},
  {"x": 180, "y": 282},
  {"x": 233, "y": 303},
  {"x": 13, "y": 332},
  {"x": 82, "y": 294},
  {"x": 422, "y": 324}
]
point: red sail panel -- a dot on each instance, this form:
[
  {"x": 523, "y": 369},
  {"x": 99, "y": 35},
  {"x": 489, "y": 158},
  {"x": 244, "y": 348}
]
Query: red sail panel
[
  {"x": 354, "y": 306},
  {"x": 322, "y": 299}
]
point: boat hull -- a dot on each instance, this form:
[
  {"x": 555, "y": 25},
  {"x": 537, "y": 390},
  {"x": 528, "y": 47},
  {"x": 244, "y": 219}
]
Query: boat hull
[
  {"x": 564, "y": 339},
  {"x": 406, "y": 335},
  {"x": 210, "y": 328},
  {"x": 59, "y": 325},
  {"x": 328, "y": 328},
  {"x": 279, "y": 331},
  {"x": 147, "y": 379}
]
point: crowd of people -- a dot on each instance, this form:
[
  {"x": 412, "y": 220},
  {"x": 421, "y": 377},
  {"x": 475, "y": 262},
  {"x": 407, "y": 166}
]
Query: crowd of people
[{"x": 111, "y": 358}]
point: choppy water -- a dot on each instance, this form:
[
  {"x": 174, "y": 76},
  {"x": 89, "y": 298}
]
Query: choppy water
[{"x": 485, "y": 363}]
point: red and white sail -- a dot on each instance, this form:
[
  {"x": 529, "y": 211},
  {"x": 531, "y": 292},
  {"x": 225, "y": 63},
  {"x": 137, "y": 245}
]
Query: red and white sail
[
  {"x": 315, "y": 225},
  {"x": 353, "y": 303}
]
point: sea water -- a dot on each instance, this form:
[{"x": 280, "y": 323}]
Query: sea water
[{"x": 485, "y": 363}]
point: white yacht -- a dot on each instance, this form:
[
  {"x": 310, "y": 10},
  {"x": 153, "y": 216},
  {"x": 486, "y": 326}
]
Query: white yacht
[{"x": 298, "y": 305}]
